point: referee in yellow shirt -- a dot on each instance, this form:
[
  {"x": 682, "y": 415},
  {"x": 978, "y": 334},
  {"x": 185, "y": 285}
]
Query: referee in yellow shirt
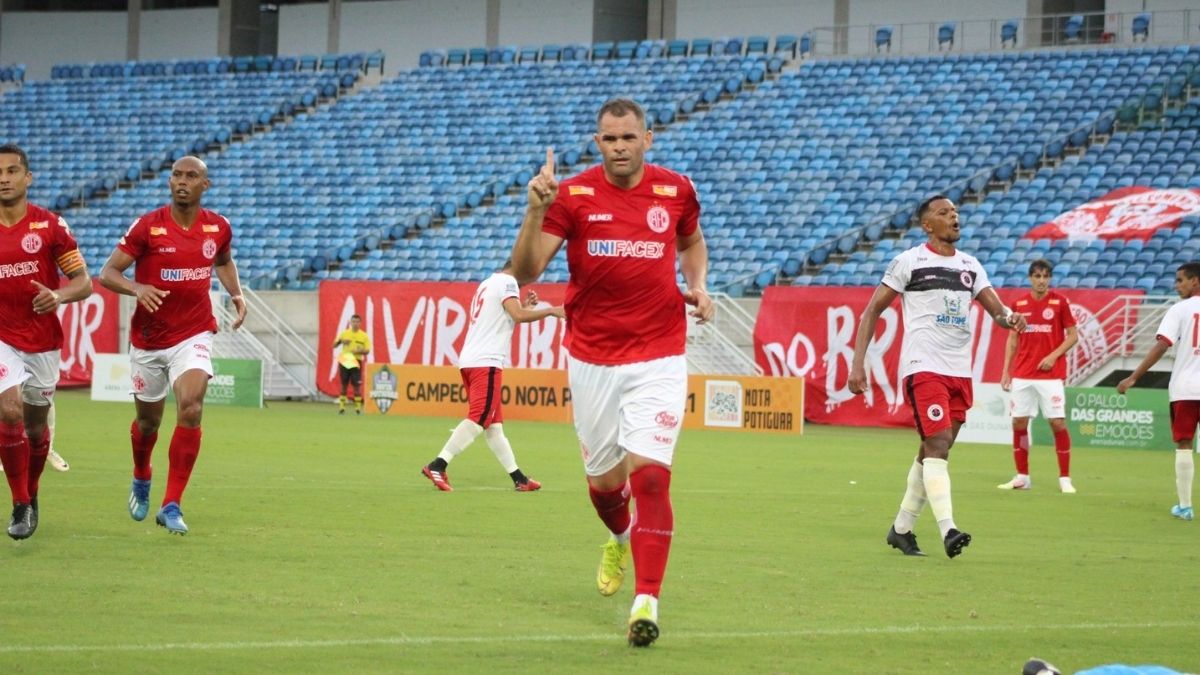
[{"x": 355, "y": 344}]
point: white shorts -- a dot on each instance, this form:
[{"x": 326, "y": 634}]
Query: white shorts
[
  {"x": 1029, "y": 395},
  {"x": 153, "y": 371},
  {"x": 36, "y": 372},
  {"x": 634, "y": 407}
]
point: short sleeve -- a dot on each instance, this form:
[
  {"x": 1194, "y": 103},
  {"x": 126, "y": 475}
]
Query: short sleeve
[
  {"x": 134, "y": 240},
  {"x": 898, "y": 274},
  {"x": 65, "y": 249},
  {"x": 510, "y": 289},
  {"x": 981, "y": 281},
  {"x": 366, "y": 341},
  {"x": 226, "y": 236},
  {"x": 1067, "y": 316},
  {"x": 1169, "y": 327},
  {"x": 558, "y": 220},
  {"x": 689, "y": 220}
]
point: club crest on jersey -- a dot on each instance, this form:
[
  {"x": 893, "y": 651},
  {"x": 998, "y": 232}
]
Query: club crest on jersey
[
  {"x": 658, "y": 219},
  {"x": 935, "y": 412},
  {"x": 966, "y": 279},
  {"x": 209, "y": 249},
  {"x": 31, "y": 243},
  {"x": 1047, "y": 314}
]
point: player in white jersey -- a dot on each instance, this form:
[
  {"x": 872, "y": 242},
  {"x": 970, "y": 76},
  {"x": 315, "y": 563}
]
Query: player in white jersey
[
  {"x": 938, "y": 283},
  {"x": 1180, "y": 328},
  {"x": 495, "y": 310}
]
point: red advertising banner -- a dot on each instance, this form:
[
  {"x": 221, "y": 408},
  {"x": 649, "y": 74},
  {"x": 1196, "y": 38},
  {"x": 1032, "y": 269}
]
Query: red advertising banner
[
  {"x": 90, "y": 327},
  {"x": 424, "y": 323},
  {"x": 809, "y": 332},
  {"x": 1125, "y": 213}
]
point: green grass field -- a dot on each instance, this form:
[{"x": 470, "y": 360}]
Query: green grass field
[{"x": 316, "y": 546}]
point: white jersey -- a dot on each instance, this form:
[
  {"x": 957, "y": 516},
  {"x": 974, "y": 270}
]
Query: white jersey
[
  {"x": 937, "y": 291},
  {"x": 1181, "y": 328},
  {"x": 489, "y": 338}
]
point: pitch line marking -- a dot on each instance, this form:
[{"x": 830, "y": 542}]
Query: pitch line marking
[{"x": 415, "y": 641}]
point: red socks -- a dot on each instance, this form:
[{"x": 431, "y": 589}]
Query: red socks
[
  {"x": 143, "y": 446},
  {"x": 612, "y": 507},
  {"x": 37, "y": 461},
  {"x": 1062, "y": 447},
  {"x": 14, "y": 453},
  {"x": 185, "y": 447},
  {"x": 653, "y": 527},
  {"x": 1021, "y": 450}
]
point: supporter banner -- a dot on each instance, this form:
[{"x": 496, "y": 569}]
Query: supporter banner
[
  {"x": 989, "y": 420},
  {"x": 770, "y": 404},
  {"x": 110, "y": 378},
  {"x": 236, "y": 382},
  {"x": 424, "y": 323},
  {"x": 90, "y": 326},
  {"x": 1099, "y": 417},
  {"x": 809, "y": 332},
  {"x": 1125, "y": 213}
]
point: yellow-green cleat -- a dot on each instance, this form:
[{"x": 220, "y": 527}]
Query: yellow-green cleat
[
  {"x": 612, "y": 566},
  {"x": 643, "y": 621}
]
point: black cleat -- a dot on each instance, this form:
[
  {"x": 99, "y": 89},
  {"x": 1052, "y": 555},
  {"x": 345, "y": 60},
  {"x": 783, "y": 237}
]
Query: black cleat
[
  {"x": 907, "y": 542},
  {"x": 20, "y": 527},
  {"x": 956, "y": 541}
]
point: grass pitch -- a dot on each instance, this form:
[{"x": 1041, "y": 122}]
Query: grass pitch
[{"x": 316, "y": 546}]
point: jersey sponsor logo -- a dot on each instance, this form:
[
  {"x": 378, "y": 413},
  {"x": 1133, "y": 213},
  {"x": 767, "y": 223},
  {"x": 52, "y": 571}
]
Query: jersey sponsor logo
[
  {"x": 1052, "y": 301},
  {"x": 155, "y": 231},
  {"x": 209, "y": 249},
  {"x": 1047, "y": 314},
  {"x": 31, "y": 243},
  {"x": 953, "y": 315},
  {"x": 623, "y": 248},
  {"x": 210, "y": 228},
  {"x": 658, "y": 219},
  {"x": 164, "y": 249},
  {"x": 600, "y": 217},
  {"x": 1038, "y": 328},
  {"x": 664, "y": 440},
  {"x": 185, "y": 274},
  {"x": 666, "y": 420},
  {"x": 1022, "y": 303},
  {"x": 18, "y": 269},
  {"x": 665, "y": 190},
  {"x": 575, "y": 190},
  {"x": 39, "y": 224},
  {"x": 935, "y": 412}
]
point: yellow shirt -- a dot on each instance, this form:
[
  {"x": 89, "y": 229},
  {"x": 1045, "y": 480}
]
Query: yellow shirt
[{"x": 352, "y": 341}]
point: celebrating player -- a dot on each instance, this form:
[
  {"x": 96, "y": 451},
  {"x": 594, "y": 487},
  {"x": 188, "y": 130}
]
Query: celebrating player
[
  {"x": 35, "y": 245},
  {"x": 1036, "y": 379},
  {"x": 624, "y": 222},
  {"x": 495, "y": 310},
  {"x": 355, "y": 344},
  {"x": 1180, "y": 328},
  {"x": 938, "y": 283},
  {"x": 175, "y": 248}
]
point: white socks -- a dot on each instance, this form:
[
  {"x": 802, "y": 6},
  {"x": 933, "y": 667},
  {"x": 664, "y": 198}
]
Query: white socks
[
  {"x": 914, "y": 500},
  {"x": 1185, "y": 469},
  {"x": 463, "y": 435},
  {"x": 498, "y": 442},
  {"x": 937, "y": 491}
]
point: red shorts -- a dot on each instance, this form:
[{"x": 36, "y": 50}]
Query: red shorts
[
  {"x": 937, "y": 400},
  {"x": 483, "y": 394},
  {"x": 1185, "y": 415}
]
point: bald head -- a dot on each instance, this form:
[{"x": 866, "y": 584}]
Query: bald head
[
  {"x": 189, "y": 180},
  {"x": 190, "y": 163}
]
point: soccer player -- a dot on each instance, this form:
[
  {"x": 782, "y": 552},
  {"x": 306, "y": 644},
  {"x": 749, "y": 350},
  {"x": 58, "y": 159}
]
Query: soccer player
[
  {"x": 495, "y": 310},
  {"x": 624, "y": 222},
  {"x": 1180, "y": 328},
  {"x": 35, "y": 245},
  {"x": 1036, "y": 376},
  {"x": 937, "y": 282},
  {"x": 355, "y": 346},
  {"x": 175, "y": 248}
]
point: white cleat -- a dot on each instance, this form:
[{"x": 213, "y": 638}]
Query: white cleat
[
  {"x": 57, "y": 462},
  {"x": 1064, "y": 484},
  {"x": 1017, "y": 483}
]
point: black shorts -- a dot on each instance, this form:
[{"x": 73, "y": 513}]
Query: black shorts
[{"x": 350, "y": 376}]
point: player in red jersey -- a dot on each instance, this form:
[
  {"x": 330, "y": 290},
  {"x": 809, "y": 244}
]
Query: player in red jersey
[
  {"x": 176, "y": 248},
  {"x": 624, "y": 222},
  {"x": 1034, "y": 370},
  {"x": 35, "y": 245}
]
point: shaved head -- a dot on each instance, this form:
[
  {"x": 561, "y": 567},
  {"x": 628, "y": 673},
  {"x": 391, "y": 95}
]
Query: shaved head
[{"x": 190, "y": 163}]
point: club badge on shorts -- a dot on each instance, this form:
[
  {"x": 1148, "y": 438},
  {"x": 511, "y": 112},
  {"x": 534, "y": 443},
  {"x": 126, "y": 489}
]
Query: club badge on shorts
[{"x": 935, "y": 412}]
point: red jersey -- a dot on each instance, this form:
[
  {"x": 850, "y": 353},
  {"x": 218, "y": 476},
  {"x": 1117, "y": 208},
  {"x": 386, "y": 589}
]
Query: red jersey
[
  {"x": 622, "y": 302},
  {"x": 34, "y": 249},
  {"x": 1047, "y": 322},
  {"x": 173, "y": 259}
]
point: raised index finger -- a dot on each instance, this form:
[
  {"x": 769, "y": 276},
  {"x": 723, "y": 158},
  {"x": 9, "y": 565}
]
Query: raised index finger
[{"x": 548, "y": 168}]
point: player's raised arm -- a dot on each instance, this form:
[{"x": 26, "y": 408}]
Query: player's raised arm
[
  {"x": 883, "y": 296},
  {"x": 534, "y": 249}
]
